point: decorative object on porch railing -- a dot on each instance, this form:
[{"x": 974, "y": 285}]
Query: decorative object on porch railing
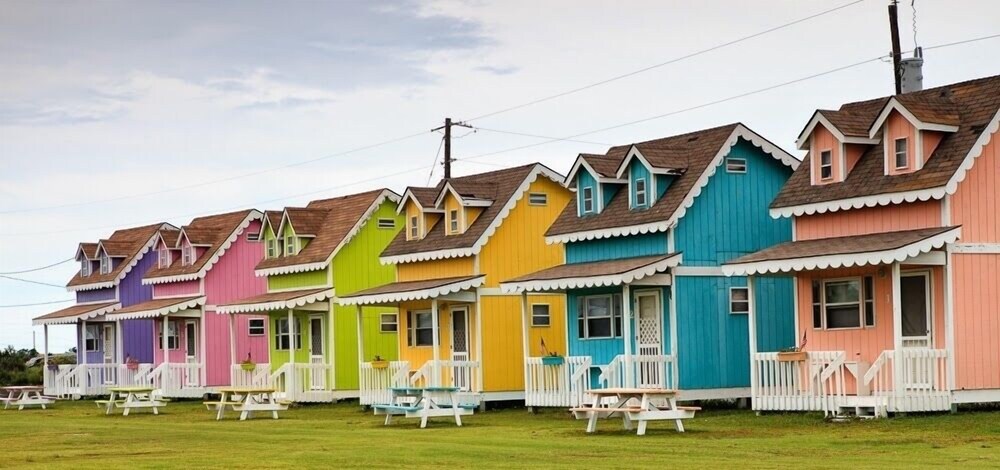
[
  {"x": 73, "y": 381},
  {"x": 550, "y": 358},
  {"x": 379, "y": 363},
  {"x": 791, "y": 355},
  {"x": 375, "y": 382},
  {"x": 639, "y": 371},
  {"x": 561, "y": 385},
  {"x": 813, "y": 384},
  {"x": 131, "y": 363},
  {"x": 910, "y": 380},
  {"x": 259, "y": 376},
  {"x": 248, "y": 365}
]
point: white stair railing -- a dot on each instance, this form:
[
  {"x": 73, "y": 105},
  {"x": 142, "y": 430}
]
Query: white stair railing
[
  {"x": 647, "y": 371},
  {"x": 562, "y": 385},
  {"x": 176, "y": 380},
  {"x": 461, "y": 374},
  {"x": 259, "y": 376},
  {"x": 813, "y": 384},
  {"x": 910, "y": 380},
  {"x": 374, "y": 383}
]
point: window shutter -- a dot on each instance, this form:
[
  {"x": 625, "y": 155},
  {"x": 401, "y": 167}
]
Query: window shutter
[
  {"x": 409, "y": 328},
  {"x": 580, "y": 315}
]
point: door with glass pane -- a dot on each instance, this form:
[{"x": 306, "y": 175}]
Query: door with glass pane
[
  {"x": 649, "y": 337},
  {"x": 460, "y": 346},
  {"x": 192, "y": 374},
  {"x": 317, "y": 380},
  {"x": 108, "y": 340},
  {"x": 915, "y": 324}
]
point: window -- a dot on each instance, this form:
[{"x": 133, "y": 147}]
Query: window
[
  {"x": 736, "y": 165},
  {"x": 420, "y": 329},
  {"x": 92, "y": 338},
  {"x": 739, "y": 300},
  {"x": 588, "y": 200},
  {"x": 414, "y": 228},
  {"x": 388, "y": 323},
  {"x": 290, "y": 243},
  {"x": 255, "y": 327},
  {"x": 844, "y": 303},
  {"x": 386, "y": 223},
  {"x": 453, "y": 221},
  {"x": 640, "y": 192},
  {"x": 540, "y": 315},
  {"x": 272, "y": 248},
  {"x": 825, "y": 165},
  {"x": 85, "y": 267},
  {"x": 173, "y": 337},
  {"x": 600, "y": 316},
  {"x": 900, "y": 152},
  {"x": 281, "y": 334},
  {"x": 538, "y": 199},
  {"x": 187, "y": 255},
  {"x": 163, "y": 257},
  {"x": 105, "y": 263}
]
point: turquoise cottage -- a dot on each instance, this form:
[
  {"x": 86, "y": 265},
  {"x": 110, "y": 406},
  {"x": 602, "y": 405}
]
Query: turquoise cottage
[{"x": 652, "y": 223}]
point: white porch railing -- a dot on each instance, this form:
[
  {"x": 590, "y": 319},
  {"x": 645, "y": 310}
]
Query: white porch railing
[
  {"x": 93, "y": 379},
  {"x": 304, "y": 382},
  {"x": 461, "y": 374},
  {"x": 815, "y": 384},
  {"x": 260, "y": 376},
  {"x": 375, "y": 382},
  {"x": 562, "y": 385},
  {"x": 647, "y": 371},
  {"x": 922, "y": 378},
  {"x": 180, "y": 380}
]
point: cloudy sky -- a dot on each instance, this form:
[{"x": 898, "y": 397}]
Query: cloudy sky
[{"x": 114, "y": 114}]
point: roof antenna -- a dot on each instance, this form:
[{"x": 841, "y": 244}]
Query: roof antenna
[{"x": 896, "y": 54}]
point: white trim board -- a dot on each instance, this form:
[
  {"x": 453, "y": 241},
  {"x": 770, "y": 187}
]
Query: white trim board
[
  {"x": 77, "y": 318},
  {"x": 419, "y": 294},
  {"x": 292, "y": 303},
  {"x": 976, "y": 248},
  {"x": 167, "y": 310},
  {"x": 627, "y": 277}
]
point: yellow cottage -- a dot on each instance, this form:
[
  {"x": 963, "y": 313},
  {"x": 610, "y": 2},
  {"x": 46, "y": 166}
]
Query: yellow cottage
[{"x": 456, "y": 328}]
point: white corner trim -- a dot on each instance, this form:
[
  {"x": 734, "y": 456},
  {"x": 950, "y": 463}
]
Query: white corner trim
[
  {"x": 74, "y": 319},
  {"x": 219, "y": 252},
  {"x": 845, "y": 260},
  {"x": 173, "y": 308},
  {"x": 974, "y": 153},
  {"x": 539, "y": 170},
  {"x": 276, "y": 305},
  {"x": 626, "y": 277},
  {"x": 976, "y": 248},
  {"x": 740, "y": 131},
  {"x": 421, "y": 294},
  {"x": 128, "y": 268}
]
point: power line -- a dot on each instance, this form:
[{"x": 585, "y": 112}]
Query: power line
[
  {"x": 437, "y": 155},
  {"x": 12, "y": 278},
  {"x": 662, "y": 64},
  {"x": 524, "y": 134},
  {"x": 38, "y": 269},
  {"x": 38, "y": 303}
]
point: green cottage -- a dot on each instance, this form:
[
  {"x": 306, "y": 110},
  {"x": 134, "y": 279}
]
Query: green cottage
[{"x": 313, "y": 254}]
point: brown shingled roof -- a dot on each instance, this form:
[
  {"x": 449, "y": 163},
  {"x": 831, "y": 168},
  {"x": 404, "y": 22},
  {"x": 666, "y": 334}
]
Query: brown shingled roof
[
  {"x": 75, "y": 311},
  {"x": 592, "y": 269},
  {"x": 425, "y": 196},
  {"x": 606, "y": 166},
  {"x": 132, "y": 240},
  {"x": 170, "y": 237},
  {"x": 305, "y": 221},
  {"x": 976, "y": 102},
  {"x": 870, "y": 243},
  {"x": 89, "y": 250},
  {"x": 411, "y": 286},
  {"x": 277, "y": 296},
  {"x": 212, "y": 231},
  {"x": 342, "y": 214},
  {"x": 156, "y": 304}
]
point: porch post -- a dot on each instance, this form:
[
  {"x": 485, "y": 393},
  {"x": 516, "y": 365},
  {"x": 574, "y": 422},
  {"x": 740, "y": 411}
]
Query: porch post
[
  {"x": 45, "y": 355},
  {"x": 202, "y": 361},
  {"x": 361, "y": 336},
  {"x": 627, "y": 332},
  {"x": 232, "y": 340},
  {"x": 949, "y": 319},
  {"x": 524, "y": 336},
  {"x": 165, "y": 375},
  {"x": 752, "y": 329},
  {"x": 897, "y": 329},
  {"x": 436, "y": 373},
  {"x": 290, "y": 390},
  {"x": 83, "y": 342},
  {"x": 119, "y": 347}
]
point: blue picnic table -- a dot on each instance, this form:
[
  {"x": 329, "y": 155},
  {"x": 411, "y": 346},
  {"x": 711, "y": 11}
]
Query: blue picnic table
[{"x": 424, "y": 403}]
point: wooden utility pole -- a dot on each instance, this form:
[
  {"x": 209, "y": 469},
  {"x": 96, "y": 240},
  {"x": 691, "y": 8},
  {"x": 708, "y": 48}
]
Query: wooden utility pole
[
  {"x": 897, "y": 55},
  {"x": 447, "y": 143}
]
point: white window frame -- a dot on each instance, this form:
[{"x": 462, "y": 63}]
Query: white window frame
[
  {"x": 864, "y": 298},
  {"x": 641, "y": 193},
  {"x": 187, "y": 255},
  {"x": 588, "y": 199},
  {"x": 163, "y": 258},
  {"x": 272, "y": 248},
  {"x": 291, "y": 246},
  {"x": 538, "y": 199},
  {"x": 388, "y": 319},
  {"x": 105, "y": 263},
  {"x": 255, "y": 324},
  {"x": 386, "y": 223},
  {"x": 733, "y": 301},
  {"x": 547, "y": 315},
  {"x": 412, "y": 329},
  {"x": 85, "y": 267},
  {"x": 173, "y": 336},
  {"x": 736, "y": 165},
  {"x": 583, "y": 317},
  {"x": 822, "y": 165},
  {"x": 92, "y": 333},
  {"x": 284, "y": 334},
  {"x": 896, "y": 154},
  {"x": 453, "y": 222},
  {"x": 414, "y": 228}
]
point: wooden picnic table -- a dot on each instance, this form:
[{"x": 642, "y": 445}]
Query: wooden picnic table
[
  {"x": 646, "y": 410},
  {"x": 424, "y": 403},
  {"x": 136, "y": 397},
  {"x": 25, "y": 395},
  {"x": 246, "y": 400}
]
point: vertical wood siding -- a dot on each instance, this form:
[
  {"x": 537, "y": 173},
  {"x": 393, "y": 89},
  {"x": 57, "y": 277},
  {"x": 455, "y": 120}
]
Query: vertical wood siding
[
  {"x": 648, "y": 244},
  {"x": 977, "y": 320},
  {"x": 822, "y": 139},
  {"x": 451, "y": 267},
  {"x": 503, "y": 360},
  {"x": 586, "y": 180},
  {"x": 897, "y": 127},
  {"x": 976, "y": 204},
  {"x": 137, "y": 335},
  {"x": 178, "y": 355},
  {"x": 106, "y": 294},
  {"x": 173, "y": 289},
  {"x": 637, "y": 170},
  {"x": 906, "y": 216}
]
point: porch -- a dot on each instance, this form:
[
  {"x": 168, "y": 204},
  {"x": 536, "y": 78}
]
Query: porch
[
  {"x": 874, "y": 316},
  {"x": 461, "y": 369},
  {"x": 647, "y": 357}
]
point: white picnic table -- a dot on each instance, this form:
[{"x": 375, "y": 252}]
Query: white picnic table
[
  {"x": 246, "y": 400},
  {"x": 424, "y": 403},
  {"x": 135, "y": 398},
  {"x": 25, "y": 395},
  {"x": 647, "y": 409}
]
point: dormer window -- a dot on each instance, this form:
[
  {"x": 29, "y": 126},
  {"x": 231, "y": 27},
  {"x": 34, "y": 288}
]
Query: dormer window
[
  {"x": 901, "y": 160},
  {"x": 187, "y": 255},
  {"x": 105, "y": 263},
  {"x": 826, "y": 165},
  {"x": 85, "y": 267},
  {"x": 163, "y": 257},
  {"x": 272, "y": 248},
  {"x": 290, "y": 243},
  {"x": 588, "y": 200},
  {"x": 453, "y": 221},
  {"x": 414, "y": 228},
  {"x": 640, "y": 192}
]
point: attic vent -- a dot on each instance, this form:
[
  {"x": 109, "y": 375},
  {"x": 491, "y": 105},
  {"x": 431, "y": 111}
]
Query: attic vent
[
  {"x": 386, "y": 223},
  {"x": 692, "y": 139}
]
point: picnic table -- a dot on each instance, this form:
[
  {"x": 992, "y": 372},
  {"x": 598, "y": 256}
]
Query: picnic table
[
  {"x": 649, "y": 408},
  {"x": 424, "y": 403},
  {"x": 246, "y": 400},
  {"x": 135, "y": 398},
  {"x": 25, "y": 395}
]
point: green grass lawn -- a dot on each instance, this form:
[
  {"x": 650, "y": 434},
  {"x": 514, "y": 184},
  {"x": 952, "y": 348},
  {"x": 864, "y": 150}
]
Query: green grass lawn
[{"x": 79, "y": 435}]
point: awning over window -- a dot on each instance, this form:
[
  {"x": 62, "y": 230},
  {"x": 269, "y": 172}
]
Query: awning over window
[
  {"x": 858, "y": 250},
  {"x": 159, "y": 307},
  {"x": 277, "y": 301},
  {"x": 75, "y": 313},
  {"x": 413, "y": 290},
  {"x": 594, "y": 274}
]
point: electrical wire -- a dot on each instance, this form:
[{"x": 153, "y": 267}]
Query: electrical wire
[
  {"x": 37, "y": 303},
  {"x": 38, "y": 269},
  {"x": 12, "y": 278},
  {"x": 437, "y": 155}
]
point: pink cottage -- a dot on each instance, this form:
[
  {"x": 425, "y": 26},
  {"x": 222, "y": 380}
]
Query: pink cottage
[
  {"x": 896, "y": 257},
  {"x": 206, "y": 263}
]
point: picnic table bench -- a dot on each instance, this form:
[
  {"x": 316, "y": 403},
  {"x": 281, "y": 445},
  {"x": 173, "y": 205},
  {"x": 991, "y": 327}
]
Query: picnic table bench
[
  {"x": 247, "y": 400},
  {"x": 135, "y": 398},
  {"x": 643, "y": 412},
  {"x": 424, "y": 403},
  {"x": 25, "y": 395}
]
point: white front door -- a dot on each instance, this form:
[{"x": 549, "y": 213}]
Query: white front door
[
  {"x": 191, "y": 352},
  {"x": 317, "y": 380},
  {"x": 108, "y": 341},
  {"x": 460, "y": 346},
  {"x": 649, "y": 336},
  {"x": 915, "y": 309}
]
